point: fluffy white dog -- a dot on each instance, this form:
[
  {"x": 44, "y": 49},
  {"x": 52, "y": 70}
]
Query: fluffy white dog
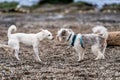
[
  {"x": 80, "y": 42},
  {"x": 28, "y": 39}
]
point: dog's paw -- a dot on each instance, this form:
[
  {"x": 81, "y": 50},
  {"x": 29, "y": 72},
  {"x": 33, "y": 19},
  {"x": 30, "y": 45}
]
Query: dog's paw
[
  {"x": 68, "y": 47},
  {"x": 102, "y": 57},
  {"x": 38, "y": 60},
  {"x": 79, "y": 60},
  {"x": 18, "y": 59},
  {"x": 96, "y": 58}
]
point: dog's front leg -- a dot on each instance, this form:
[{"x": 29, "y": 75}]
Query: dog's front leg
[
  {"x": 36, "y": 53},
  {"x": 80, "y": 54}
]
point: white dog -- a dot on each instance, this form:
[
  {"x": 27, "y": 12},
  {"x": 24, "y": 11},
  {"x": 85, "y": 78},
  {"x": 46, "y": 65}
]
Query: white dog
[
  {"x": 28, "y": 39},
  {"x": 80, "y": 42}
]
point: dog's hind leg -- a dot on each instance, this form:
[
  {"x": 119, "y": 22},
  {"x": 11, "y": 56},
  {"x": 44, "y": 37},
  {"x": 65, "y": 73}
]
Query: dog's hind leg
[
  {"x": 97, "y": 52},
  {"x": 36, "y": 53},
  {"x": 16, "y": 53},
  {"x": 99, "y": 56},
  {"x": 15, "y": 46},
  {"x": 104, "y": 48}
]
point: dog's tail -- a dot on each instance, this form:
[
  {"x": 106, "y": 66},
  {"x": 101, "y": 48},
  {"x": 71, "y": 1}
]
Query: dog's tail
[
  {"x": 101, "y": 30},
  {"x": 11, "y": 28}
]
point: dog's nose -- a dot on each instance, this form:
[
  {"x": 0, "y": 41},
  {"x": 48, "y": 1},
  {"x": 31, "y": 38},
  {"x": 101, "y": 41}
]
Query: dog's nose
[{"x": 53, "y": 38}]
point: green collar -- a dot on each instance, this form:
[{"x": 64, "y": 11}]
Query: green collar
[
  {"x": 73, "y": 39},
  {"x": 81, "y": 42}
]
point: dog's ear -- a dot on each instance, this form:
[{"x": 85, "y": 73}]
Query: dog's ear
[
  {"x": 41, "y": 29},
  {"x": 70, "y": 30},
  {"x": 64, "y": 32}
]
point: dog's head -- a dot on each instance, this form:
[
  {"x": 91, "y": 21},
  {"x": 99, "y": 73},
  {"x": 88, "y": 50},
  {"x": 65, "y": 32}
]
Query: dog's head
[
  {"x": 47, "y": 34},
  {"x": 63, "y": 34}
]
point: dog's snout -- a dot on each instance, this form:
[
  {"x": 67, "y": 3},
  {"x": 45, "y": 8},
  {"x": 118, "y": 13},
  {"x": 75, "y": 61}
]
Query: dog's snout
[{"x": 53, "y": 38}]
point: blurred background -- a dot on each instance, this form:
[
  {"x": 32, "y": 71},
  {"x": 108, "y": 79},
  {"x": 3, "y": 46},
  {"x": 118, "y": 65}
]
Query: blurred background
[{"x": 32, "y": 5}]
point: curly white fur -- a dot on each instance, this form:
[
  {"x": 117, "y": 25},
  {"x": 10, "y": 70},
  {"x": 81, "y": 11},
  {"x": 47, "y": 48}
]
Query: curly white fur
[
  {"x": 96, "y": 42},
  {"x": 101, "y": 30}
]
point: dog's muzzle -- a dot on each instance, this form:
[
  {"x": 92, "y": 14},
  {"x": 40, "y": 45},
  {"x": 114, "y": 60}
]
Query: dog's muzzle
[{"x": 52, "y": 38}]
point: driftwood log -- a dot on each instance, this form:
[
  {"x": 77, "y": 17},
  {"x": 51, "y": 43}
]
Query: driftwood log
[{"x": 114, "y": 38}]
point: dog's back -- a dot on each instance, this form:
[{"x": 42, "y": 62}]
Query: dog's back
[
  {"x": 91, "y": 39},
  {"x": 24, "y": 38}
]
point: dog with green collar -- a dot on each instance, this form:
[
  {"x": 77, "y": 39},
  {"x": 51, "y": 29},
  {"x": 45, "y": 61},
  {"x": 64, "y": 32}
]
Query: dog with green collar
[{"x": 81, "y": 42}]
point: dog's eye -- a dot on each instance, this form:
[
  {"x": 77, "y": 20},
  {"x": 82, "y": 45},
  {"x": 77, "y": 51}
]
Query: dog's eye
[{"x": 49, "y": 35}]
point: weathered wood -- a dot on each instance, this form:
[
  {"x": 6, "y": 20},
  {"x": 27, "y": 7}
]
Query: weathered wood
[{"x": 114, "y": 38}]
